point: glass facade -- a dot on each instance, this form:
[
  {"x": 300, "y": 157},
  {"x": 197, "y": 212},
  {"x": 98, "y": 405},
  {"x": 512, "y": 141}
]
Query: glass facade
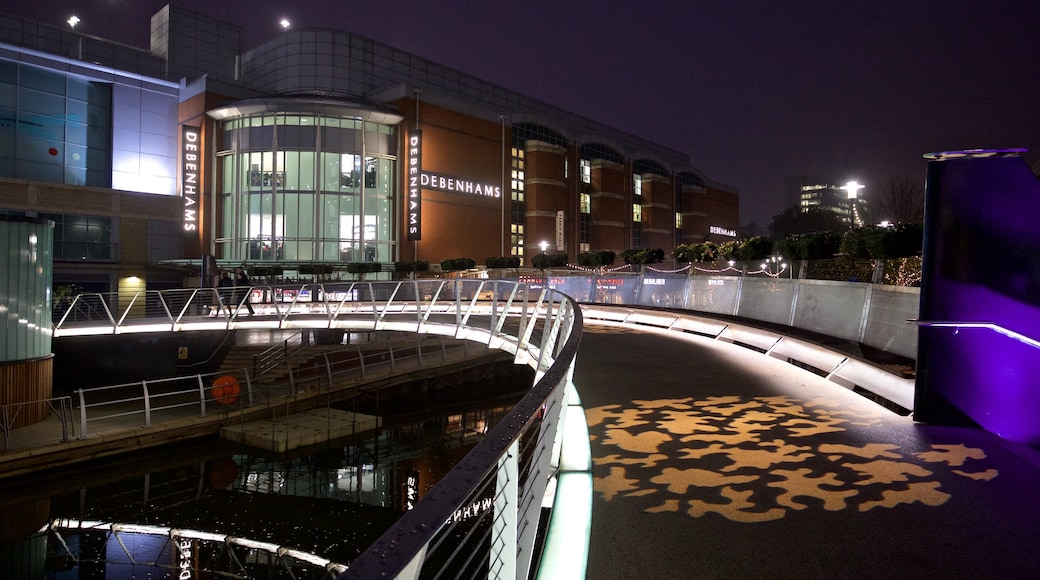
[
  {"x": 53, "y": 127},
  {"x": 300, "y": 187}
]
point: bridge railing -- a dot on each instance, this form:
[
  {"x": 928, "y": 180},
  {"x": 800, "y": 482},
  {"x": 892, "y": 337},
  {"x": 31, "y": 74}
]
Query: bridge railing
[
  {"x": 282, "y": 379},
  {"x": 483, "y": 518}
]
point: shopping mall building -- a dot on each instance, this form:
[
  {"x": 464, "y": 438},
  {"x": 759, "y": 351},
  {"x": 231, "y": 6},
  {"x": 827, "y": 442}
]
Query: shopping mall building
[{"x": 315, "y": 147}]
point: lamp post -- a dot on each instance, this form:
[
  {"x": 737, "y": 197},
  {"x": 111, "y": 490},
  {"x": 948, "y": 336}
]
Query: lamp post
[{"x": 544, "y": 246}]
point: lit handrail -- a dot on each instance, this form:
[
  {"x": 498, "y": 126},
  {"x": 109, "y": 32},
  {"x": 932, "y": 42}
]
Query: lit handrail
[{"x": 984, "y": 325}]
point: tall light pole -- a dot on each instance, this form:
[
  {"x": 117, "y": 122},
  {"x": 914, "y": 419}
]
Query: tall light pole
[{"x": 505, "y": 190}]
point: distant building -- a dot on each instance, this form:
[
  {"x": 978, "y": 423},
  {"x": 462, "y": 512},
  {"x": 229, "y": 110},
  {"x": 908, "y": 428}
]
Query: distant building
[
  {"x": 315, "y": 147},
  {"x": 809, "y": 192}
]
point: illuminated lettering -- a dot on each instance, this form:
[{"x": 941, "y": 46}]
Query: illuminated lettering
[
  {"x": 184, "y": 562},
  {"x": 190, "y": 171},
  {"x": 416, "y": 181},
  {"x": 430, "y": 180}
]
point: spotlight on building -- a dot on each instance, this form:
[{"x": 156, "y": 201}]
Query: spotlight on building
[
  {"x": 544, "y": 246},
  {"x": 73, "y": 21}
]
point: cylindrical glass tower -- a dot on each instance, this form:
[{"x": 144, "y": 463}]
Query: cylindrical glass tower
[
  {"x": 26, "y": 273},
  {"x": 306, "y": 180}
]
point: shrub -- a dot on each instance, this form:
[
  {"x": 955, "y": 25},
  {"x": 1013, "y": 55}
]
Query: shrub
[
  {"x": 549, "y": 260},
  {"x": 364, "y": 267},
  {"x": 412, "y": 266},
  {"x": 503, "y": 262},
  {"x": 453, "y": 264},
  {"x": 642, "y": 256},
  {"x": 596, "y": 259},
  {"x": 702, "y": 252}
]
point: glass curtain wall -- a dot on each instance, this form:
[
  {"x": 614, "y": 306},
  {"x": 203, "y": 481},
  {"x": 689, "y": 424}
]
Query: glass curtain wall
[{"x": 307, "y": 188}]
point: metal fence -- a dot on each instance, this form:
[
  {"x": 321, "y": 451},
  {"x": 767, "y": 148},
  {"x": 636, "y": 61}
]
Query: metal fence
[{"x": 483, "y": 518}]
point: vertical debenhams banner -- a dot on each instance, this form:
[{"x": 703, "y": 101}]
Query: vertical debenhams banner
[
  {"x": 190, "y": 177},
  {"x": 415, "y": 186}
]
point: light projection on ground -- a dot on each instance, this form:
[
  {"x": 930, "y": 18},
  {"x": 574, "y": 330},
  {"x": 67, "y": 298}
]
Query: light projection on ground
[{"x": 758, "y": 459}]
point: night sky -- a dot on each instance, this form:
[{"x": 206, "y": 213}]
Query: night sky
[{"x": 752, "y": 91}]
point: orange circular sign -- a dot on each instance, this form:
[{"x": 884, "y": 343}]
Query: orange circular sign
[{"x": 225, "y": 389}]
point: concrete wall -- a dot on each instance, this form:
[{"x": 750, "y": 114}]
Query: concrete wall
[{"x": 870, "y": 314}]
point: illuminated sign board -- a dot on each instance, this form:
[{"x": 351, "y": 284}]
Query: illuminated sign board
[
  {"x": 415, "y": 186},
  {"x": 440, "y": 182},
  {"x": 723, "y": 231},
  {"x": 190, "y": 176}
]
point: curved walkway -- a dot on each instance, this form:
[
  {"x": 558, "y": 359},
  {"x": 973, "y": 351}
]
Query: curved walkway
[{"x": 713, "y": 461}]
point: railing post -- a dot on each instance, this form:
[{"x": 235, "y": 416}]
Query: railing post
[
  {"x": 202, "y": 395},
  {"x": 390, "y": 349},
  {"x": 249, "y": 386},
  {"x": 505, "y": 522},
  {"x": 6, "y": 427},
  {"x": 361, "y": 360},
  {"x": 82, "y": 414},
  {"x": 147, "y": 405},
  {"x": 328, "y": 368}
]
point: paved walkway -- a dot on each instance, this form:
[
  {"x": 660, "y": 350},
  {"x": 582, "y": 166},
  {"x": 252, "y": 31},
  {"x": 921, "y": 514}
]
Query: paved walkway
[{"x": 712, "y": 461}]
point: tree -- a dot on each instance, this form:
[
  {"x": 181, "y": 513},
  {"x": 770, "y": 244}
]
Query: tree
[
  {"x": 901, "y": 201},
  {"x": 814, "y": 219}
]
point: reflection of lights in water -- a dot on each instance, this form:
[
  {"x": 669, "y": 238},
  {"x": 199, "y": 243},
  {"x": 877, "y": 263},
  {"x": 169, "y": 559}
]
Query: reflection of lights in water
[{"x": 136, "y": 543}]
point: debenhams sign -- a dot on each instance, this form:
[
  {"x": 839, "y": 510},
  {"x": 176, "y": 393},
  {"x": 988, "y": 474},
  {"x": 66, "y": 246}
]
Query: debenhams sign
[
  {"x": 419, "y": 180},
  {"x": 190, "y": 176}
]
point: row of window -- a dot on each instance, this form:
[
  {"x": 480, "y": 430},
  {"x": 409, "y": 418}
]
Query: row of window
[{"x": 53, "y": 127}]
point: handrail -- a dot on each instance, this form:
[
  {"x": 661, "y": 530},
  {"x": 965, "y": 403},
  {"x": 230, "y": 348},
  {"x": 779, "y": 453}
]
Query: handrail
[
  {"x": 992, "y": 326},
  {"x": 515, "y": 463}
]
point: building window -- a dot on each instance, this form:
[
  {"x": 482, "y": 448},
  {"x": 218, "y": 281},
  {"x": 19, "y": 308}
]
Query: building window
[
  {"x": 637, "y": 185},
  {"x": 54, "y": 128},
  {"x": 518, "y": 207},
  {"x": 586, "y": 171},
  {"x": 317, "y": 198},
  {"x": 637, "y": 212},
  {"x": 82, "y": 237},
  {"x": 516, "y": 243}
]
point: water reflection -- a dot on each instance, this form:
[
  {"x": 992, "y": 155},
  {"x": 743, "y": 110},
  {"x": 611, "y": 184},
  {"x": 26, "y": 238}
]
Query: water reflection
[{"x": 332, "y": 501}]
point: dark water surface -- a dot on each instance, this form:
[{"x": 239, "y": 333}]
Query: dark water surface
[{"x": 333, "y": 500}]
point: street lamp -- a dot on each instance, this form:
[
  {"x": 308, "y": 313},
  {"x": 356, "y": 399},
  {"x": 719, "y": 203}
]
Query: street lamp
[
  {"x": 774, "y": 266},
  {"x": 544, "y": 246},
  {"x": 73, "y": 21}
]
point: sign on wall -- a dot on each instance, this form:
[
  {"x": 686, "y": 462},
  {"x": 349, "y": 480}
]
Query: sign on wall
[
  {"x": 415, "y": 186},
  {"x": 190, "y": 176}
]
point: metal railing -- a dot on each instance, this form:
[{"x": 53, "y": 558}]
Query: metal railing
[
  {"x": 60, "y": 409},
  {"x": 483, "y": 518},
  {"x": 283, "y": 376}
]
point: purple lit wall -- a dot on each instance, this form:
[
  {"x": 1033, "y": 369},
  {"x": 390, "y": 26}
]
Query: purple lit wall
[{"x": 978, "y": 349}]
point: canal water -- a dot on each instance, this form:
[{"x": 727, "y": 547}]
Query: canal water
[{"x": 168, "y": 513}]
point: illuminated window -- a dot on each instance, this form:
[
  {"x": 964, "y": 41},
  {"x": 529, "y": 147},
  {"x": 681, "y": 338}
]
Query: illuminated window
[
  {"x": 637, "y": 185},
  {"x": 516, "y": 244},
  {"x": 518, "y": 174},
  {"x": 586, "y": 171},
  {"x": 586, "y": 203},
  {"x": 637, "y": 212},
  {"x": 518, "y": 206},
  {"x": 678, "y": 221}
]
